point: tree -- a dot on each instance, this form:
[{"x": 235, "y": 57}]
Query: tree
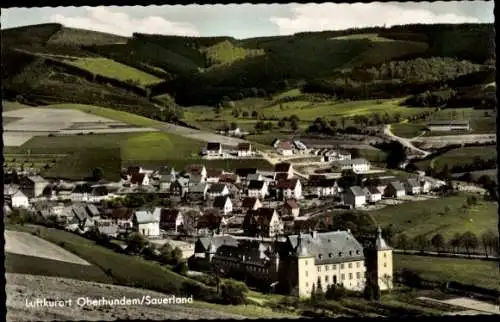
[
  {"x": 136, "y": 243},
  {"x": 217, "y": 110},
  {"x": 402, "y": 241},
  {"x": 97, "y": 174},
  {"x": 456, "y": 242},
  {"x": 438, "y": 242},
  {"x": 421, "y": 242},
  {"x": 234, "y": 293},
  {"x": 165, "y": 253},
  {"x": 255, "y": 114},
  {"x": 281, "y": 123},
  {"x": 180, "y": 268},
  {"x": 396, "y": 154},
  {"x": 488, "y": 240},
  {"x": 333, "y": 123},
  {"x": 348, "y": 179},
  {"x": 470, "y": 241},
  {"x": 294, "y": 125},
  {"x": 471, "y": 201},
  {"x": 233, "y": 126}
]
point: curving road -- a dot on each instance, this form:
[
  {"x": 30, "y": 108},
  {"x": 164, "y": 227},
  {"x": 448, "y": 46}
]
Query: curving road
[{"x": 405, "y": 142}]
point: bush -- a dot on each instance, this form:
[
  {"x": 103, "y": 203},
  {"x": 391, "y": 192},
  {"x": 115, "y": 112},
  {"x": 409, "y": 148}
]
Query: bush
[
  {"x": 181, "y": 268},
  {"x": 234, "y": 293}
]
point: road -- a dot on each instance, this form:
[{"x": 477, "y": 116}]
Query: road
[{"x": 405, "y": 142}]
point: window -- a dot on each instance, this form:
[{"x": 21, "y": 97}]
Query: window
[
  {"x": 341, "y": 266},
  {"x": 326, "y": 267},
  {"x": 305, "y": 262},
  {"x": 319, "y": 268},
  {"x": 350, "y": 253},
  {"x": 385, "y": 254},
  {"x": 306, "y": 274},
  {"x": 357, "y": 265},
  {"x": 349, "y": 265},
  {"x": 307, "y": 284},
  {"x": 334, "y": 279},
  {"x": 342, "y": 277},
  {"x": 326, "y": 278},
  {"x": 340, "y": 254},
  {"x": 358, "y": 275},
  {"x": 334, "y": 266},
  {"x": 385, "y": 264},
  {"x": 350, "y": 276}
]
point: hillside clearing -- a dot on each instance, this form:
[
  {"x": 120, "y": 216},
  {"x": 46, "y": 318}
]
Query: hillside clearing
[
  {"x": 459, "y": 156},
  {"x": 446, "y": 216},
  {"x": 466, "y": 271},
  {"x": 110, "y": 68}
]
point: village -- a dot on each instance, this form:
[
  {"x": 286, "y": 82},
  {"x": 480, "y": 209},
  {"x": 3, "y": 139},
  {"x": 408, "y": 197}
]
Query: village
[{"x": 216, "y": 218}]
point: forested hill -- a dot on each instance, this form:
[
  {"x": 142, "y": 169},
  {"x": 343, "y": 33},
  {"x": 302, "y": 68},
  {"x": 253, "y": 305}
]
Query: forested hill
[{"x": 44, "y": 62}]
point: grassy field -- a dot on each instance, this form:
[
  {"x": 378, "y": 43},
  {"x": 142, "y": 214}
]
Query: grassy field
[
  {"x": 9, "y": 106},
  {"x": 445, "y": 216},
  {"x": 227, "y": 164},
  {"x": 110, "y": 68},
  {"x": 459, "y": 156},
  {"x": 225, "y": 53},
  {"x": 407, "y": 130},
  {"x": 466, "y": 271},
  {"x": 493, "y": 174}
]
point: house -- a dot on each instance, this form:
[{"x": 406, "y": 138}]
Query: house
[
  {"x": 111, "y": 230},
  {"x": 251, "y": 203},
  {"x": 224, "y": 204},
  {"x": 284, "y": 167},
  {"x": 355, "y": 197},
  {"x": 425, "y": 186},
  {"x": 243, "y": 173},
  {"x": 213, "y": 175},
  {"x": 449, "y": 126},
  {"x": 358, "y": 165},
  {"x": 299, "y": 145},
  {"x": 289, "y": 189},
  {"x": 244, "y": 149},
  {"x": 337, "y": 155},
  {"x": 197, "y": 191},
  {"x": 217, "y": 189},
  {"x": 92, "y": 211},
  {"x": 229, "y": 178},
  {"x": 197, "y": 170},
  {"x": 32, "y": 186},
  {"x": 147, "y": 223},
  {"x": 140, "y": 179},
  {"x": 372, "y": 194},
  {"x": 395, "y": 189},
  {"x": 122, "y": 216},
  {"x": 263, "y": 222},
  {"x": 291, "y": 208},
  {"x": 257, "y": 189},
  {"x": 255, "y": 176},
  {"x": 166, "y": 178},
  {"x": 281, "y": 176},
  {"x": 210, "y": 222},
  {"x": 81, "y": 192},
  {"x": 19, "y": 200},
  {"x": 285, "y": 148},
  {"x": 214, "y": 149},
  {"x": 179, "y": 187},
  {"x": 171, "y": 219},
  {"x": 326, "y": 188},
  {"x": 412, "y": 186}
]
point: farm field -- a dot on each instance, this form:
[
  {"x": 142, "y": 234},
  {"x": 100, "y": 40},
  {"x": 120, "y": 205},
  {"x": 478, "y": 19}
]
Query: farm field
[
  {"x": 110, "y": 68},
  {"x": 466, "y": 271},
  {"x": 459, "y": 156},
  {"x": 408, "y": 130},
  {"x": 445, "y": 216},
  {"x": 477, "y": 174}
]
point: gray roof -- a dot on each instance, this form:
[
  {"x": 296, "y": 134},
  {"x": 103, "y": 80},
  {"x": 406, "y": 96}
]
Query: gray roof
[
  {"x": 108, "y": 230},
  {"x": 37, "y": 179},
  {"x": 9, "y": 190},
  {"x": 215, "y": 242},
  {"x": 412, "y": 182},
  {"x": 216, "y": 188},
  {"x": 357, "y": 191},
  {"x": 380, "y": 242},
  {"x": 397, "y": 185},
  {"x": 254, "y": 176},
  {"x": 198, "y": 188},
  {"x": 144, "y": 216},
  {"x": 449, "y": 122},
  {"x": 92, "y": 210},
  {"x": 329, "y": 247},
  {"x": 79, "y": 212}
]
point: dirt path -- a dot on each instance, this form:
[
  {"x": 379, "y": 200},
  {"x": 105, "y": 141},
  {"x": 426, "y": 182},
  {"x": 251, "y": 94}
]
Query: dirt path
[
  {"x": 405, "y": 142},
  {"x": 26, "y": 244},
  {"x": 22, "y": 288}
]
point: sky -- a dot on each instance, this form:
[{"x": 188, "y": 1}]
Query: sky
[{"x": 247, "y": 20}]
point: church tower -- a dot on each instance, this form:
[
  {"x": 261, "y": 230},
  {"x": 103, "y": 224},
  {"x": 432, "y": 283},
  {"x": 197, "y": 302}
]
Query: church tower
[{"x": 384, "y": 266}]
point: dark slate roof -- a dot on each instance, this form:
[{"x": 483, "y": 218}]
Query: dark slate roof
[
  {"x": 329, "y": 247},
  {"x": 214, "y": 173},
  {"x": 282, "y": 167},
  {"x": 327, "y": 183},
  {"x": 123, "y": 213},
  {"x": 449, "y": 123},
  {"x": 195, "y": 168},
  {"x": 412, "y": 182},
  {"x": 373, "y": 190},
  {"x": 228, "y": 178},
  {"x": 244, "y": 146},
  {"x": 217, "y": 241},
  {"x": 244, "y": 172},
  {"x": 198, "y": 188},
  {"x": 220, "y": 201},
  {"x": 397, "y": 185},
  {"x": 281, "y": 176},
  {"x": 168, "y": 215},
  {"x": 92, "y": 210},
  {"x": 213, "y": 146},
  {"x": 263, "y": 212},
  {"x": 315, "y": 179},
  {"x": 249, "y": 202},
  {"x": 79, "y": 212},
  {"x": 256, "y": 185},
  {"x": 137, "y": 178},
  {"x": 287, "y": 184},
  {"x": 216, "y": 188}
]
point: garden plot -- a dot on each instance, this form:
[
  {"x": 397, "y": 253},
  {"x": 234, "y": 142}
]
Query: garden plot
[{"x": 30, "y": 122}]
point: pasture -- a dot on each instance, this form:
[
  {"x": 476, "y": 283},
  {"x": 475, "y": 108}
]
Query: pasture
[
  {"x": 466, "y": 271},
  {"x": 446, "y": 216},
  {"x": 459, "y": 156},
  {"x": 408, "y": 130},
  {"x": 112, "y": 69}
]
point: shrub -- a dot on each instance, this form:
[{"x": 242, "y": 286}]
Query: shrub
[
  {"x": 181, "y": 268},
  {"x": 234, "y": 293}
]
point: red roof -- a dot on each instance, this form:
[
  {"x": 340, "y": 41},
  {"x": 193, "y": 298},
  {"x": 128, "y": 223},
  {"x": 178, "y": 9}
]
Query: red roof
[
  {"x": 249, "y": 202},
  {"x": 168, "y": 215},
  {"x": 214, "y": 173},
  {"x": 137, "y": 178},
  {"x": 291, "y": 203},
  {"x": 123, "y": 213},
  {"x": 285, "y": 145},
  {"x": 228, "y": 178},
  {"x": 244, "y": 146},
  {"x": 194, "y": 168},
  {"x": 287, "y": 184}
]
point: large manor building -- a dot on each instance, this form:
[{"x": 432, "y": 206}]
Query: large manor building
[{"x": 296, "y": 263}]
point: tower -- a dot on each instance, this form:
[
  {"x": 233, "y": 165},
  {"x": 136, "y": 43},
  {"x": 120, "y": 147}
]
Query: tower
[
  {"x": 306, "y": 269},
  {"x": 384, "y": 262}
]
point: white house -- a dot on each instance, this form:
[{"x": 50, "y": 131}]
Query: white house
[
  {"x": 358, "y": 165},
  {"x": 425, "y": 186},
  {"x": 258, "y": 189},
  {"x": 290, "y": 189},
  {"x": 197, "y": 170},
  {"x": 224, "y": 204},
  {"x": 355, "y": 196},
  {"x": 372, "y": 194},
  {"x": 326, "y": 188},
  {"x": 214, "y": 149},
  {"x": 217, "y": 190},
  {"x": 147, "y": 223},
  {"x": 412, "y": 186},
  {"x": 395, "y": 189},
  {"x": 291, "y": 208},
  {"x": 285, "y": 148},
  {"x": 244, "y": 149},
  {"x": 171, "y": 219},
  {"x": 19, "y": 200}
]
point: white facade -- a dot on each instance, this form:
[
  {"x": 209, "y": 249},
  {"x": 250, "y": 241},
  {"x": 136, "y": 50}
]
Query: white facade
[
  {"x": 295, "y": 193},
  {"x": 259, "y": 193},
  {"x": 19, "y": 200},
  {"x": 373, "y": 197},
  {"x": 151, "y": 229},
  {"x": 285, "y": 152},
  {"x": 426, "y": 187}
]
